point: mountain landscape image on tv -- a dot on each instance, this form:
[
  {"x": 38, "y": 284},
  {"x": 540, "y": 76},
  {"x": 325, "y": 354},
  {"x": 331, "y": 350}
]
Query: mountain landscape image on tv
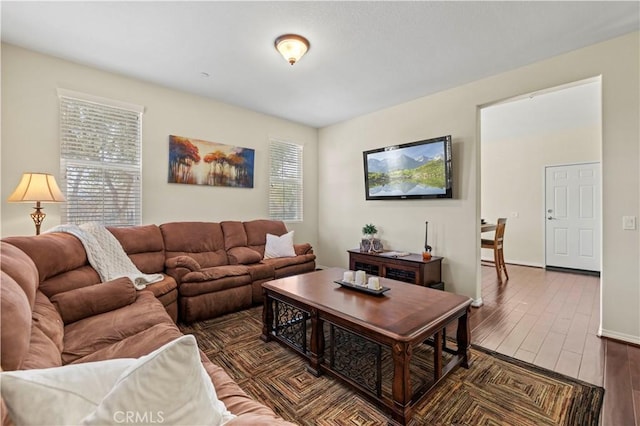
[{"x": 419, "y": 169}]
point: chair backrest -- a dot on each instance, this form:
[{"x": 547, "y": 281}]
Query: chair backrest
[{"x": 499, "y": 235}]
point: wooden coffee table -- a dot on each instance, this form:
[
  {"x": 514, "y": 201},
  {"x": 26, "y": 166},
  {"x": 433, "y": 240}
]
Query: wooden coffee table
[{"x": 309, "y": 312}]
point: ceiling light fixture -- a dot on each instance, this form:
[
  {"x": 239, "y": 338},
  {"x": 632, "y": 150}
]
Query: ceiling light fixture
[{"x": 292, "y": 47}]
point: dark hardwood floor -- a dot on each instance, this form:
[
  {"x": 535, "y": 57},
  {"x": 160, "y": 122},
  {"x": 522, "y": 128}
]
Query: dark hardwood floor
[{"x": 551, "y": 319}]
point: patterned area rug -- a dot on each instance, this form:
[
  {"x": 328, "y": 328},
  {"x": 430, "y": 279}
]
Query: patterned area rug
[{"x": 496, "y": 390}]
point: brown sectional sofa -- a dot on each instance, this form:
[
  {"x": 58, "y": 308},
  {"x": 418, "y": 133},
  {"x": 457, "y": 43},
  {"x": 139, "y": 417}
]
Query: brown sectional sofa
[{"x": 53, "y": 314}]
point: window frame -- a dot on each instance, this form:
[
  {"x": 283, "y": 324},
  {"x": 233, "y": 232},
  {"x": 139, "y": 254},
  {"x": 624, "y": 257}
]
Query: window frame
[
  {"x": 70, "y": 160},
  {"x": 274, "y": 179}
]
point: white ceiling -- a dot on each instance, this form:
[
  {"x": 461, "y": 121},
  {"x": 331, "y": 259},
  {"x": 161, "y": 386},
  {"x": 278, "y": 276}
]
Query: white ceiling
[{"x": 364, "y": 56}]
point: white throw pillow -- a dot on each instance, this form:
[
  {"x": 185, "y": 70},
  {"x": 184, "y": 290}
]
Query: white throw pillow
[
  {"x": 281, "y": 246},
  {"x": 170, "y": 386},
  {"x": 60, "y": 395}
]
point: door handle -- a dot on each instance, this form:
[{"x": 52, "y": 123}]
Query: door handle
[{"x": 550, "y": 218}]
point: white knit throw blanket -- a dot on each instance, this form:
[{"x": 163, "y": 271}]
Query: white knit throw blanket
[{"x": 106, "y": 255}]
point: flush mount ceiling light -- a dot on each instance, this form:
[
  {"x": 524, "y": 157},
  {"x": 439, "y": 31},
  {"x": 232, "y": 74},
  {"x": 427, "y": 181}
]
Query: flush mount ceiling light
[{"x": 292, "y": 47}]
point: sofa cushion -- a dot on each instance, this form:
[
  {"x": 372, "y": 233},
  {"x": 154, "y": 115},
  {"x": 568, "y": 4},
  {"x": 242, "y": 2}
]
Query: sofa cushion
[
  {"x": 261, "y": 271},
  {"x": 70, "y": 280},
  {"x": 43, "y": 352},
  {"x": 136, "y": 345},
  {"x": 60, "y": 260},
  {"x": 96, "y": 299},
  {"x": 81, "y": 339},
  {"x": 215, "y": 273},
  {"x": 55, "y": 254},
  {"x": 15, "y": 311},
  {"x": 243, "y": 256},
  {"x": 47, "y": 318},
  {"x": 144, "y": 246},
  {"x": 47, "y": 334},
  {"x": 21, "y": 269},
  {"x": 257, "y": 231},
  {"x": 159, "y": 289},
  {"x": 279, "y": 246},
  {"x": 18, "y": 284},
  {"x": 234, "y": 234},
  {"x": 203, "y": 241},
  {"x": 283, "y": 262}
]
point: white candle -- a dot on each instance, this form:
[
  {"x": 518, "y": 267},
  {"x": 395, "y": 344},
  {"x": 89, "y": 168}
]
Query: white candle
[
  {"x": 361, "y": 278},
  {"x": 374, "y": 283},
  {"x": 348, "y": 277}
]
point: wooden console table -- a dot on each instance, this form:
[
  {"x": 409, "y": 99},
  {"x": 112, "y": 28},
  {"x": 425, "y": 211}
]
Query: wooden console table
[{"x": 412, "y": 268}]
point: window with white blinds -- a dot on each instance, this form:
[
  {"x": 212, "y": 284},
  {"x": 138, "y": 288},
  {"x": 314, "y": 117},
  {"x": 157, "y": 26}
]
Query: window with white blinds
[
  {"x": 100, "y": 160},
  {"x": 285, "y": 181}
]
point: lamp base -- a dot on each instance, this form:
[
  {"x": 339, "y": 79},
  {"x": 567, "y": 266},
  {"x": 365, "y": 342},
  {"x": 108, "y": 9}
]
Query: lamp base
[{"x": 38, "y": 216}]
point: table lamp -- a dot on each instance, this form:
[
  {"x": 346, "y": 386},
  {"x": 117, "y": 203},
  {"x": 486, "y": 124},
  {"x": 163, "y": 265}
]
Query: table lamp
[{"x": 38, "y": 187}]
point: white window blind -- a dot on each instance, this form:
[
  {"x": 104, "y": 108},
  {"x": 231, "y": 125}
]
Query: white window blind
[
  {"x": 285, "y": 181},
  {"x": 100, "y": 161}
]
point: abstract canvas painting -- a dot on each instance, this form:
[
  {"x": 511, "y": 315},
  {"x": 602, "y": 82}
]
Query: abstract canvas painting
[{"x": 198, "y": 162}]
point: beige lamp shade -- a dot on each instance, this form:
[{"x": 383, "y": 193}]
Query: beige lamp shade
[
  {"x": 292, "y": 47},
  {"x": 37, "y": 187}
]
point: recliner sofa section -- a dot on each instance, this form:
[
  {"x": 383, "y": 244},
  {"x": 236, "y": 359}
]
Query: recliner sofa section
[
  {"x": 63, "y": 265},
  {"x": 219, "y": 267}
]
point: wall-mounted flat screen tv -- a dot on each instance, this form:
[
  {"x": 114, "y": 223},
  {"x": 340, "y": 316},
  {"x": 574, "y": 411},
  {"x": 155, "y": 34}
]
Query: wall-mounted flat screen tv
[{"x": 415, "y": 170}]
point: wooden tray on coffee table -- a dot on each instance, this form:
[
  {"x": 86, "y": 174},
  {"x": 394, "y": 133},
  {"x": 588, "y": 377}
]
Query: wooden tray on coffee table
[{"x": 364, "y": 289}]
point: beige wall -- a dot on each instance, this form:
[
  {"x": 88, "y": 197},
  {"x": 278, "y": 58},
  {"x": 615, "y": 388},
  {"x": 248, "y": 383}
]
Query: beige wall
[
  {"x": 513, "y": 162},
  {"x": 454, "y": 224},
  {"x": 30, "y": 143},
  {"x": 334, "y": 182}
]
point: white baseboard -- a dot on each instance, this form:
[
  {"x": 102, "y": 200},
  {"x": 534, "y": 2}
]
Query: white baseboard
[
  {"x": 621, "y": 336},
  {"x": 477, "y": 302},
  {"x": 322, "y": 266}
]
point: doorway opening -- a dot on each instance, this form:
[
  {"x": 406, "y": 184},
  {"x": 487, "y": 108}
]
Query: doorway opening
[{"x": 520, "y": 138}]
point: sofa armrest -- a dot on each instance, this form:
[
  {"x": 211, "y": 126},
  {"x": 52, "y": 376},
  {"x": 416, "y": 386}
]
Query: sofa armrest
[
  {"x": 182, "y": 262},
  {"x": 84, "y": 302},
  {"x": 303, "y": 248},
  {"x": 179, "y": 266}
]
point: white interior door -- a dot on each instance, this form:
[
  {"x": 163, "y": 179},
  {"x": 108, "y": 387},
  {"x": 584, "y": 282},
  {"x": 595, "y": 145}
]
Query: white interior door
[{"x": 572, "y": 216}]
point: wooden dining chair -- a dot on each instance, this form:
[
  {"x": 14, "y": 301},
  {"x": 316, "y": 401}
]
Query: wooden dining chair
[{"x": 497, "y": 245}]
